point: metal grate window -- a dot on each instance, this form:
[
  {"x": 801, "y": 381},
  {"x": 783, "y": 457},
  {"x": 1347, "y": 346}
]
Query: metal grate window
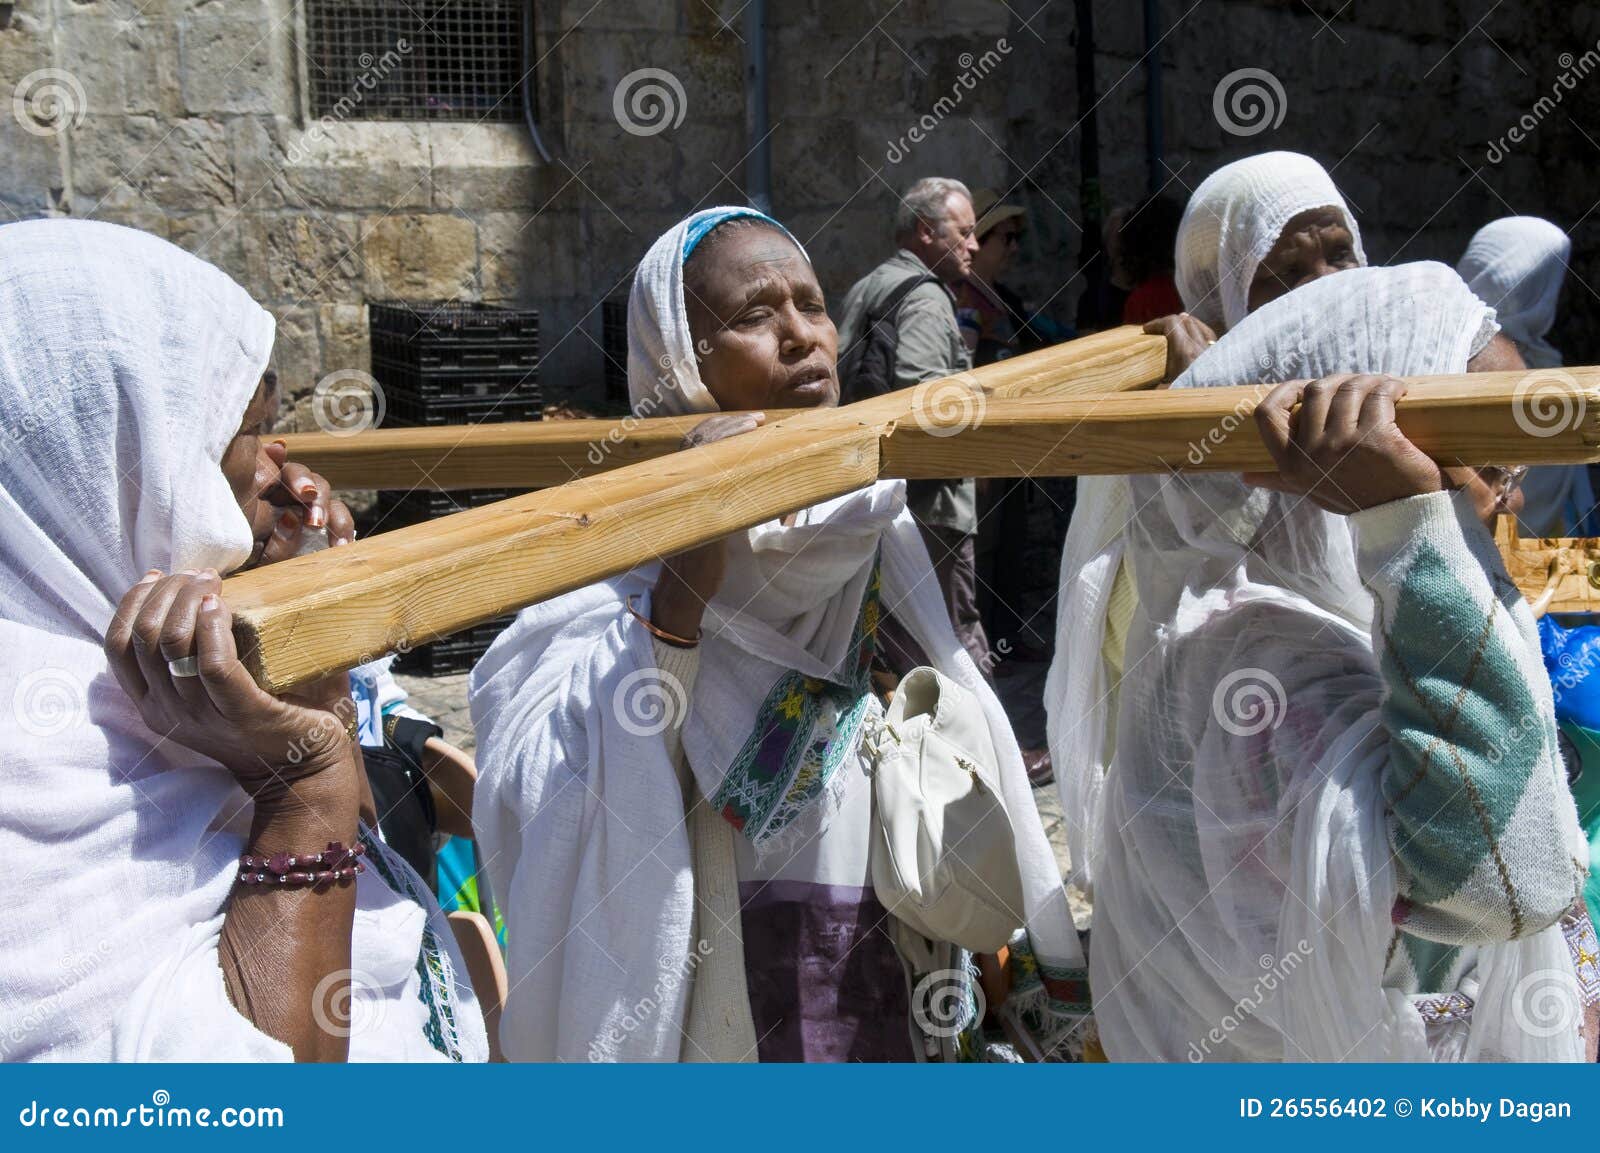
[{"x": 415, "y": 59}]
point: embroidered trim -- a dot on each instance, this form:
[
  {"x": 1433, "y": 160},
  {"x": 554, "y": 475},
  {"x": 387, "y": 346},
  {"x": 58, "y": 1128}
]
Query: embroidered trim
[
  {"x": 437, "y": 986},
  {"x": 1447, "y": 1007},
  {"x": 1585, "y": 949},
  {"x": 804, "y": 730}
]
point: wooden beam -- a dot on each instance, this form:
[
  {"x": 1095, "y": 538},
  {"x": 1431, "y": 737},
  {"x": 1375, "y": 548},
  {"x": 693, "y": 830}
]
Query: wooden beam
[
  {"x": 1476, "y": 419},
  {"x": 304, "y": 618},
  {"x": 538, "y": 454},
  {"x": 314, "y": 615},
  {"x": 522, "y": 454}
]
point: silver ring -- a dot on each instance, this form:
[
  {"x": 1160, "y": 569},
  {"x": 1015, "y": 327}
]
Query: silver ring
[{"x": 184, "y": 667}]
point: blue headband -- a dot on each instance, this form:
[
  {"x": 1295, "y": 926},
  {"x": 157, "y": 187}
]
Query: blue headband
[{"x": 703, "y": 224}]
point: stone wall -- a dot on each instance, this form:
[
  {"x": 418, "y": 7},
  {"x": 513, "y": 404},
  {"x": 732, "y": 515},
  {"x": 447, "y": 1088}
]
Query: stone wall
[{"x": 186, "y": 118}]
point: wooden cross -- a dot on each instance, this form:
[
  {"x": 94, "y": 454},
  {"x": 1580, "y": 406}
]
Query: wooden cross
[{"x": 615, "y": 495}]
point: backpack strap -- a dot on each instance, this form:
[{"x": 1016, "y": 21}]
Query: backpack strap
[{"x": 891, "y": 303}]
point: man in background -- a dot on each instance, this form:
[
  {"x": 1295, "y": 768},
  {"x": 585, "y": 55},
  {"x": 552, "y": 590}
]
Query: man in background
[{"x": 905, "y": 307}]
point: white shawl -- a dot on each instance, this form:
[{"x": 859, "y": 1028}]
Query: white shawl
[
  {"x": 125, "y": 369},
  {"x": 1517, "y": 266},
  {"x": 578, "y": 809},
  {"x": 1233, "y": 220},
  {"x": 1219, "y": 885}
]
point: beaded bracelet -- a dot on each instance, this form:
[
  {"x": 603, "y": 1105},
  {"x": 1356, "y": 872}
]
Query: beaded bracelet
[{"x": 335, "y": 863}]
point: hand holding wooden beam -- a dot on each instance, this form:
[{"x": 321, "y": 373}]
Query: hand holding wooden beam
[{"x": 307, "y": 617}]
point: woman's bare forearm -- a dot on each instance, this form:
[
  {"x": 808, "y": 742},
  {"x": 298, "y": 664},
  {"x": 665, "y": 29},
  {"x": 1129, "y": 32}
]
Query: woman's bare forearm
[{"x": 285, "y": 951}]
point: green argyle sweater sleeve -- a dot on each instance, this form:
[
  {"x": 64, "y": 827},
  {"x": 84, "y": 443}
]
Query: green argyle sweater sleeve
[{"x": 1481, "y": 821}]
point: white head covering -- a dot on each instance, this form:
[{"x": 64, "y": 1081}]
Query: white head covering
[
  {"x": 1517, "y": 265},
  {"x": 663, "y": 374},
  {"x": 598, "y": 879},
  {"x": 126, "y": 366},
  {"x": 1233, "y": 220},
  {"x": 1217, "y": 854}
]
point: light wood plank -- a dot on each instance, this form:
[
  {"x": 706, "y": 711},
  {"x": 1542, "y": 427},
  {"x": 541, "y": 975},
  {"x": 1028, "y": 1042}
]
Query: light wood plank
[
  {"x": 539, "y": 454},
  {"x": 314, "y": 615}
]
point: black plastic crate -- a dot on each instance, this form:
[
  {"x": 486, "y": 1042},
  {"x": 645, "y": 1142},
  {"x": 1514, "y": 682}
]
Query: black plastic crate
[
  {"x": 447, "y": 384},
  {"x": 453, "y": 654},
  {"x": 614, "y": 350},
  {"x": 445, "y": 350},
  {"x": 399, "y": 509},
  {"x": 406, "y": 410}
]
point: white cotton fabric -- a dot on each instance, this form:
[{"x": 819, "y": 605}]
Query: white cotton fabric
[
  {"x": 579, "y": 810},
  {"x": 1517, "y": 266},
  {"x": 1080, "y": 698},
  {"x": 663, "y": 374},
  {"x": 1214, "y": 864},
  {"x": 1233, "y": 220},
  {"x": 126, "y": 366}
]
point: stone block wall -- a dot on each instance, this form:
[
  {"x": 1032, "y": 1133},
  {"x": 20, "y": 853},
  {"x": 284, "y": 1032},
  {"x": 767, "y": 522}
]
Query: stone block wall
[{"x": 187, "y": 118}]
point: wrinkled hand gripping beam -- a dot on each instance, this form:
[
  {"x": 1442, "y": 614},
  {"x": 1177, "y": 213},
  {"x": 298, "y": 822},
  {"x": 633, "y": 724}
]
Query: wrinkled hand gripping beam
[{"x": 1068, "y": 410}]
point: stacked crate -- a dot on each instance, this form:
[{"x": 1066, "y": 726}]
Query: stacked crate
[
  {"x": 452, "y": 364},
  {"x": 614, "y": 347}
]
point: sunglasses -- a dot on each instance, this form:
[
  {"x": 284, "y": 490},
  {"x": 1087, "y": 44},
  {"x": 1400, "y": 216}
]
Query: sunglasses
[{"x": 1503, "y": 481}]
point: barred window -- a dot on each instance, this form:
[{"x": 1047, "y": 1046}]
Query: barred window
[{"x": 416, "y": 59}]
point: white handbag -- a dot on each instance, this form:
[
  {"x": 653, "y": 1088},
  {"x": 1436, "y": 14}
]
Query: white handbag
[{"x": 944, "y": 855}]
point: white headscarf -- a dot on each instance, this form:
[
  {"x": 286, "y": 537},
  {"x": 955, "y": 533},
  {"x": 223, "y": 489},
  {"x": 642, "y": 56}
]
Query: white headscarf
[
  {"x": 1517, "y": 265},
  {"x": 1233, "y": 220},
  {"x": 126, "y": 366},
  {"x": 663, "y": 374},
  {"x": 579, "y": 811},
  {"x": 1218, "y": 854}
]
